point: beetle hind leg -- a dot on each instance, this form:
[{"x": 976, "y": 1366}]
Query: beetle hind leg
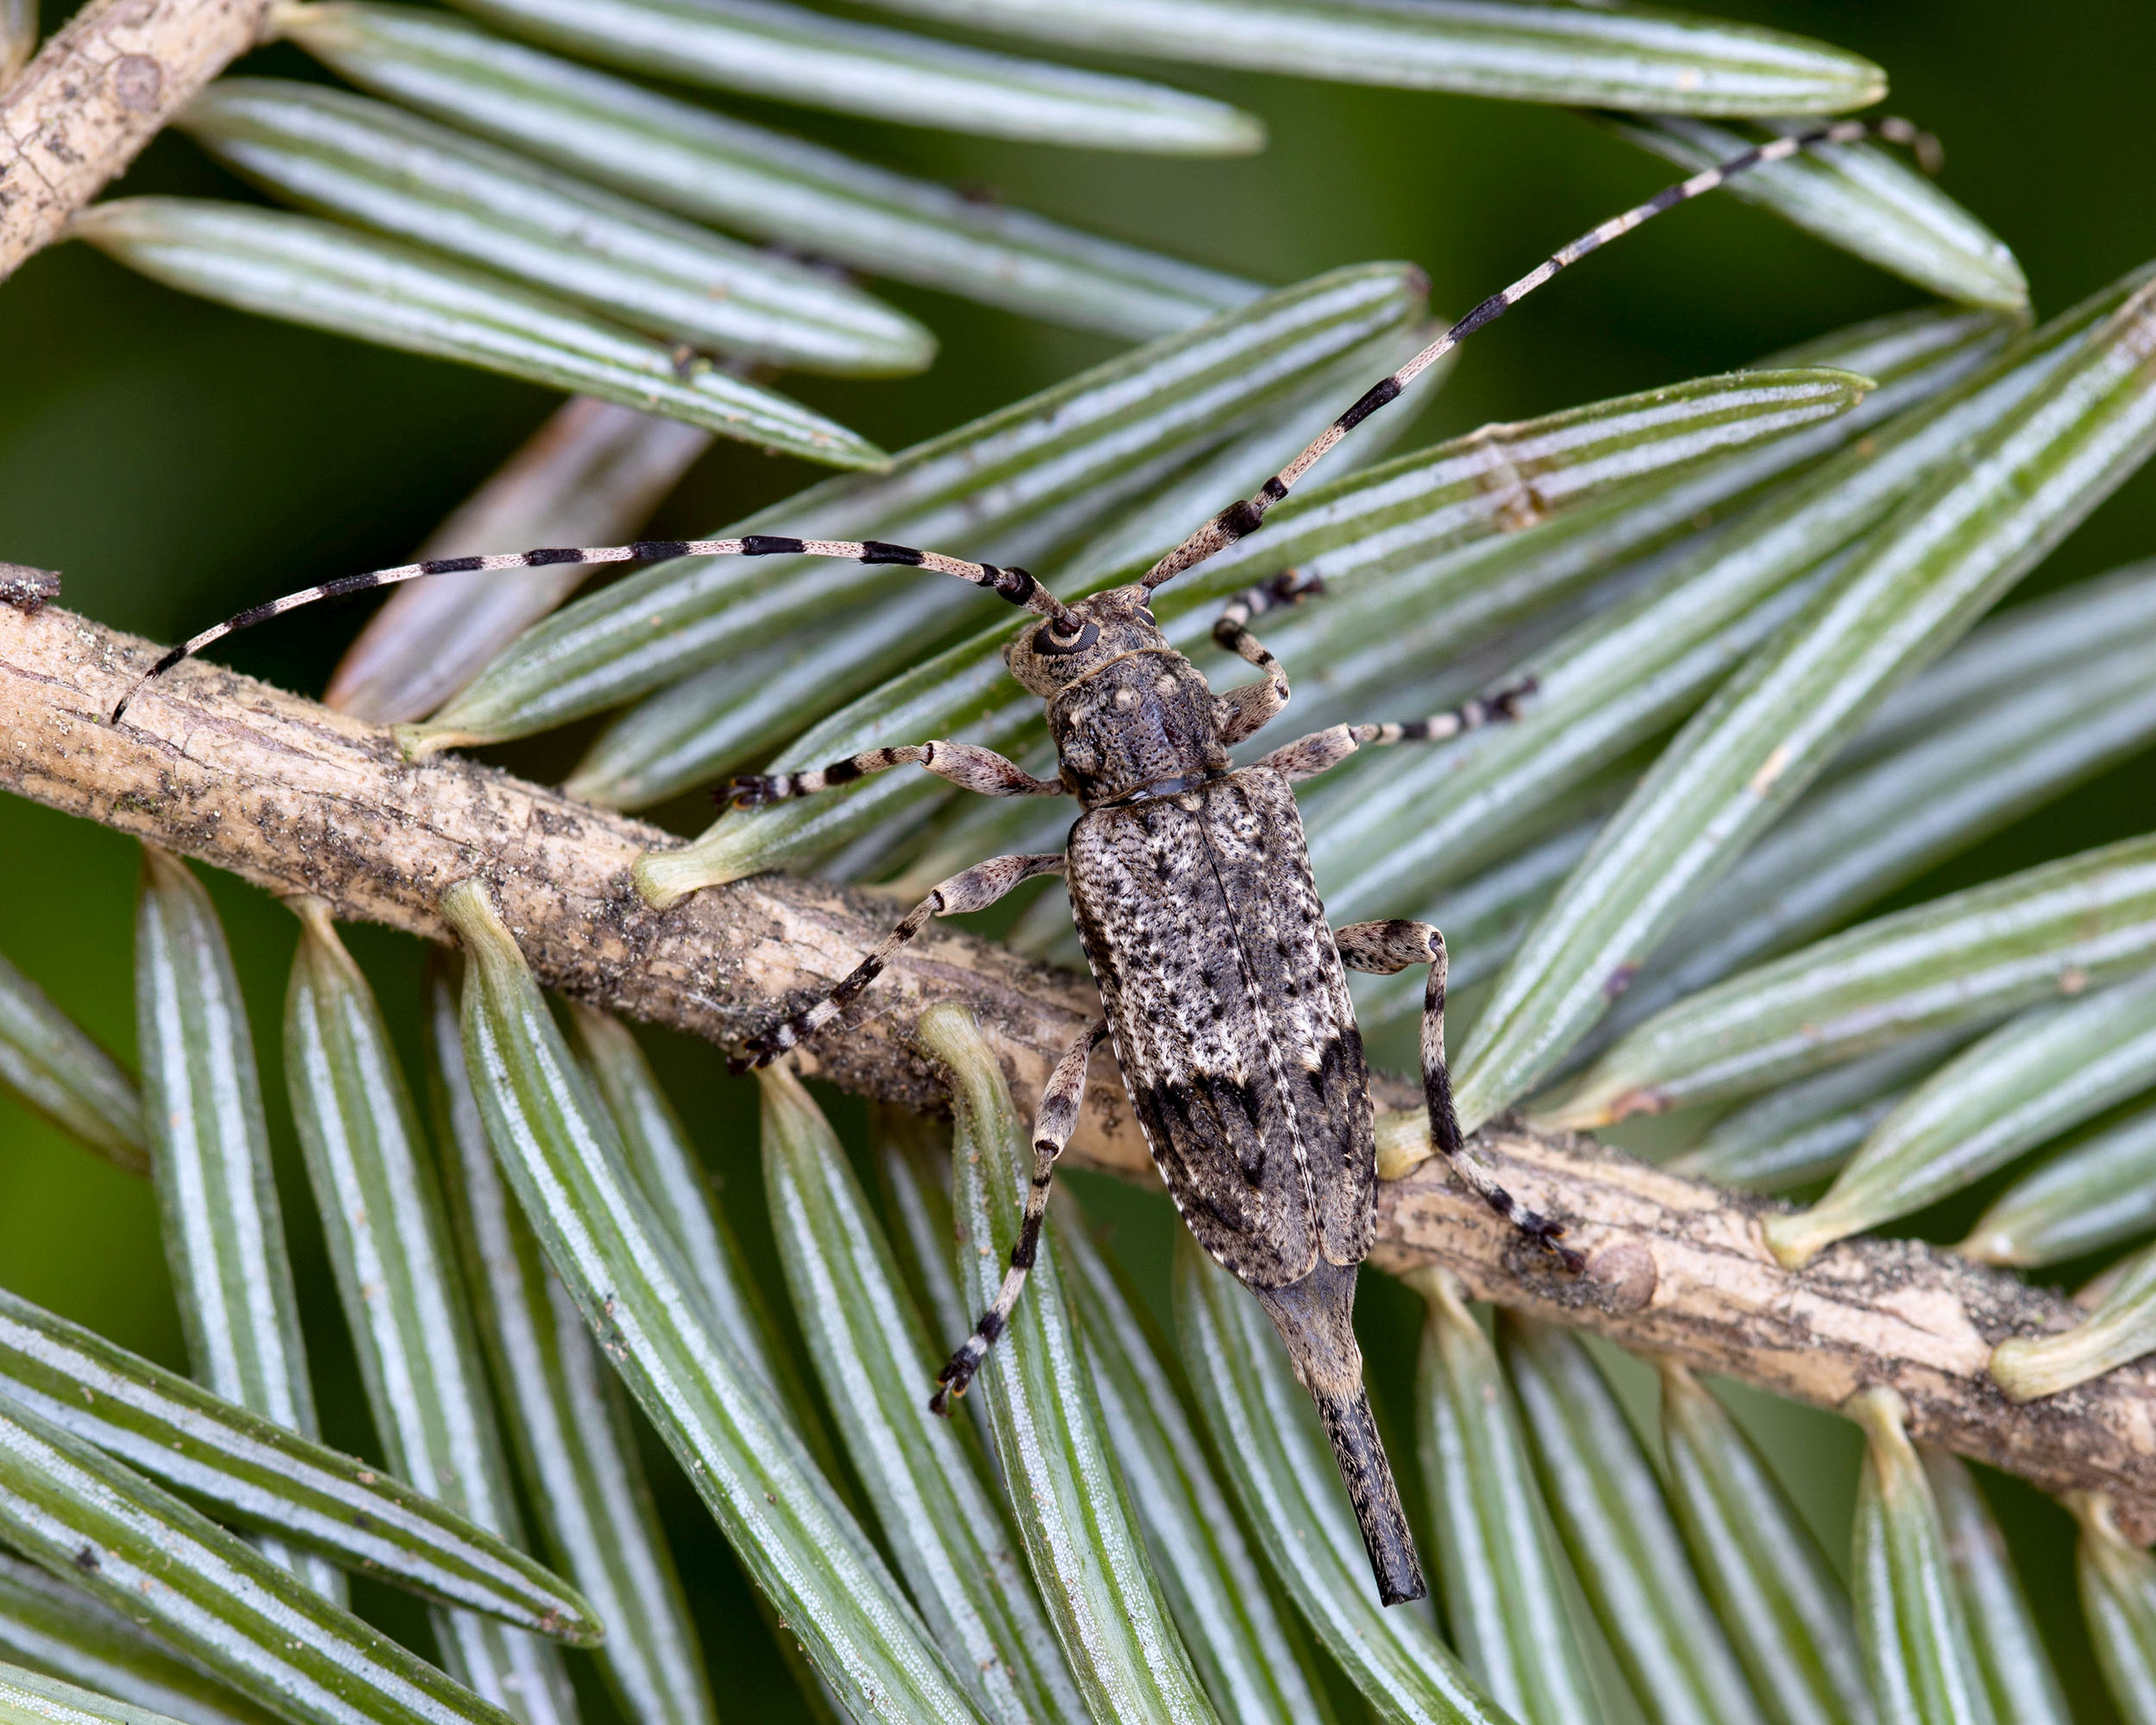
[
  {"x": 1384, "y": 949},
  {"x": 1053, "y": 1124}
]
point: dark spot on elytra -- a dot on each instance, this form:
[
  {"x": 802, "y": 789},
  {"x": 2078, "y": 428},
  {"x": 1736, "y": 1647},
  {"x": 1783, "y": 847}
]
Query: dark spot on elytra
[{"x": 1339, "y": 1061}]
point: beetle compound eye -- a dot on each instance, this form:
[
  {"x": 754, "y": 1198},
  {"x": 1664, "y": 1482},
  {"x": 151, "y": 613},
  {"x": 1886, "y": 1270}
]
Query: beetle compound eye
[{"x": 1054, "y": 639}]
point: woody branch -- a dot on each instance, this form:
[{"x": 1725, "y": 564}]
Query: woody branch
[
  {"x": 300, "y": 799},
  {"x": 95, "y": 95}
]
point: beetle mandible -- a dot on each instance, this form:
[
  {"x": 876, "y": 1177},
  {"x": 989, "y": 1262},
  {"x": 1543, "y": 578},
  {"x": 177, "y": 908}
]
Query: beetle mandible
[{"x": 1223, "y": 989}]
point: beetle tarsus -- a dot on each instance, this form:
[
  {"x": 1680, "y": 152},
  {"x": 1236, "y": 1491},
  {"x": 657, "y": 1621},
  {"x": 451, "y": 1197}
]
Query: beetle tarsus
[
  {"x": 744, "y": 791},
  {"x": 1548, "y": 1236},
  {"x": 955, "y": 1379}
]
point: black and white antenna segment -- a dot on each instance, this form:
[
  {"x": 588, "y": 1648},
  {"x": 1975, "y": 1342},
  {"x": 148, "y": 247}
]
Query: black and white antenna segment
[{"x": 1238, "y": 521}]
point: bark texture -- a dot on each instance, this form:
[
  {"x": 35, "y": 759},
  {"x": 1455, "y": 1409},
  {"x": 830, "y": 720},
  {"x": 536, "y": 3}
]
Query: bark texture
[
  {"x": 95, "y": 94},
  {"x": 301, "y": 799}
]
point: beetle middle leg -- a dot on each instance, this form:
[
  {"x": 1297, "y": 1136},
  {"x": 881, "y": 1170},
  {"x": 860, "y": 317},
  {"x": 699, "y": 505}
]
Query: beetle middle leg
[
  {"x": 1322, "y": 750},
  {"x": 972, "y": 889},
  {"x": 1385, "y": 949},
  {"x": 966, "y": 765},
  {"x": 1053, "y": 1124}
]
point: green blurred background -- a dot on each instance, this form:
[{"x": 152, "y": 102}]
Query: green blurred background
[{"x": 177, "y": 460}]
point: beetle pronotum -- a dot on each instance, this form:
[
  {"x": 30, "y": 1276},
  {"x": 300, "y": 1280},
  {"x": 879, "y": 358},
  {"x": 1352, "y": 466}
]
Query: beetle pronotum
[{"x": 1223, "y": 989}]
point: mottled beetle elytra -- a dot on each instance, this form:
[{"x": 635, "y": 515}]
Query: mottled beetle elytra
[{"x": 1223, "y": 989}]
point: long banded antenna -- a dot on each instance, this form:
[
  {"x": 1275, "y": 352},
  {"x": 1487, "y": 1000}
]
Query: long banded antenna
[
  {"x": 1238, "y": 521},
  {"x": 1242, "y": 517},
  {"x": 1012, "y": 584}
]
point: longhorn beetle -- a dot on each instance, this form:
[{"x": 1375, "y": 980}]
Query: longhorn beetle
[{"x": 1223, "y": 990}]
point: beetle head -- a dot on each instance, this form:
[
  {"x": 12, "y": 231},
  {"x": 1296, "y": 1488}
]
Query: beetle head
[{"x": 1052, "y": 654}]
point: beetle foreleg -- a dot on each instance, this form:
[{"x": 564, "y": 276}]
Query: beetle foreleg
[
  {"x": 1248, "y": 709},
  {"x": 1385, "y": 949},
  {"x": 1322, "y": 750},
  {"x": 973, "y": 889},
  {"x": 966, "y": 765},
  {"x": 1053, "y": 1124}
]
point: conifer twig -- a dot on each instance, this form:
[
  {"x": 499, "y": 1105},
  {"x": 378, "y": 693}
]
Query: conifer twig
[
  {"x": 298, "y": 799},
  {"x": 94, "y": 95}
]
